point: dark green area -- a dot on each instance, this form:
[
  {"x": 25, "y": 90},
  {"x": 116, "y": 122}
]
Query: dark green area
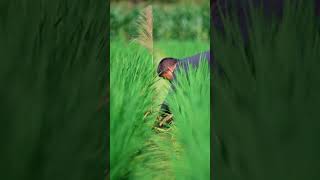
[
  {"x": 171, "y": 21},
  {"x": 53, "y": 85},
  {"x": 266, "y": 105},
  {"x": 161, "y": 1}
]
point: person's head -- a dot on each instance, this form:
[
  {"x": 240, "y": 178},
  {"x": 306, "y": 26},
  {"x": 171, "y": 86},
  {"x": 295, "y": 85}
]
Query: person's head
[{"x": 166, "y": 68}]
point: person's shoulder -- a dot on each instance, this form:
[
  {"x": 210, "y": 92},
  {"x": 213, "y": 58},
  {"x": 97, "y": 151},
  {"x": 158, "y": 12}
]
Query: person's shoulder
[{"x": 195, "y": 59}]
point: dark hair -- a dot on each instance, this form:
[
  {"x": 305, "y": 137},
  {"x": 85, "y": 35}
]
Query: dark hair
[{"x": 165, "y": 63}]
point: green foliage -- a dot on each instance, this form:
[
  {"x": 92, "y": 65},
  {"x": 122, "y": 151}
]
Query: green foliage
[
  {"x": 137, "y": 152},
  {"x": 176, "y": 21},
  {"x": 266, "y": 115},
  {"x": 181, "y": 49},
  {"x": 190, "y": 105},
  {"x": 53, "y": 83},
  {"x": 131, "y": 91}
]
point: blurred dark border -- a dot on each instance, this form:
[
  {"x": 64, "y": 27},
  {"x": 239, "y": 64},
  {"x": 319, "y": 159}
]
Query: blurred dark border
[
  {"x": 54, "y": 94},
  {"x": 284, "y": 145}
]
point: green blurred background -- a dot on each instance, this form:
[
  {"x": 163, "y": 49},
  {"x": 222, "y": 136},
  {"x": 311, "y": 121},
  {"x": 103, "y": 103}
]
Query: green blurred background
[{"x": 179, "y": 20}]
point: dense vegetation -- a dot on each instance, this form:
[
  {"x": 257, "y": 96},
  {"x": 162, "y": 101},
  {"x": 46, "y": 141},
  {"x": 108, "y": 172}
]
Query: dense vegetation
[
  {"x": 131, "y": 92},
  {"x": 140, "y": 150},
  {"x": 191, "y": 108},
  {"x": 140, "y": 147},
  {"x": 180, "y": 22}
]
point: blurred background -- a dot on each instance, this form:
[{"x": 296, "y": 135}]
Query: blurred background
[{"x": 173, "y": 19}]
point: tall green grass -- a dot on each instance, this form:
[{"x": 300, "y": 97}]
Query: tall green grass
[
  {"x": 137, "y": 150},
  {"x": 266, "y": 116},
  {"x": 183, "y": 150},
  {"x": 131, "y": 96},
  {"x": 190, "y": 105},
  {"x": 53, "y": 85}
]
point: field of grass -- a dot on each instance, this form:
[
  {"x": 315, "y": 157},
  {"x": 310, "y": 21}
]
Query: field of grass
[{"x": 140, "y": 150}]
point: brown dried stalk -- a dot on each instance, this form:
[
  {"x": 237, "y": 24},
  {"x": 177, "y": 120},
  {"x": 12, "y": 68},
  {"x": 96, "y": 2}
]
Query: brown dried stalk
[{"x": 145, "y": 24}]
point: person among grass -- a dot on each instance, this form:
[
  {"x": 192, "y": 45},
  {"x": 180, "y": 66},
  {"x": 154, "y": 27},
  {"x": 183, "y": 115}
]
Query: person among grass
[{"x": 168, "y": 66}]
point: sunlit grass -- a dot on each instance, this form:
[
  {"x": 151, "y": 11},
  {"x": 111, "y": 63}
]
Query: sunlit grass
[
  {"x": 190, "y": 105},
  {"x": 131, "y": 92},
  {"x": 137, "y": 150}
]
